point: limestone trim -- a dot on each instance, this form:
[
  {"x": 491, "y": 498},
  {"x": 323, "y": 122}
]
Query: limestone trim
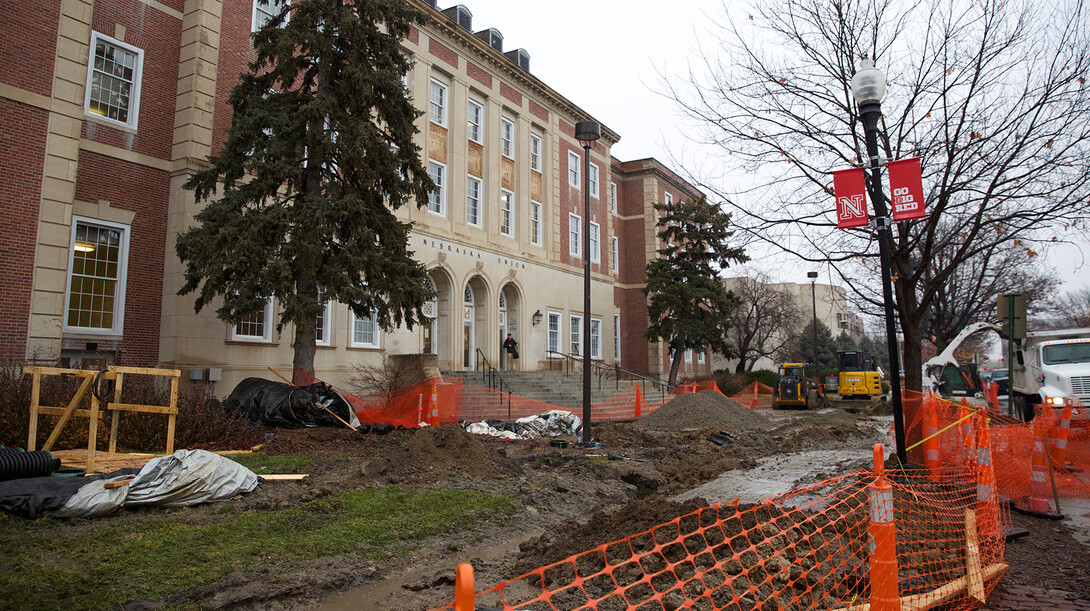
[
  {"x": 102, "y": 211},
  {"x": 197, "y": 75},
  {"x": 93, "y": 146},
  {"x": 62, "y": 145},
  {"x": 162, "y": 8},
  {"x": 25, "y": 97}
]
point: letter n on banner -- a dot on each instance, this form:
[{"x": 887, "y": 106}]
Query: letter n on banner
[
  {"x": 906, "y": 189},
  {"x": 851, "y": 199}
]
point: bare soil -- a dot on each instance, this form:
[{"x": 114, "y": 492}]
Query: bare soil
[{"x": 570, "y": 499}]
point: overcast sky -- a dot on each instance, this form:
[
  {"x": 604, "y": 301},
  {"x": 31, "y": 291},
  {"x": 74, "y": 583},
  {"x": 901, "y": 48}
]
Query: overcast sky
[{"x": 607, "y": 56}]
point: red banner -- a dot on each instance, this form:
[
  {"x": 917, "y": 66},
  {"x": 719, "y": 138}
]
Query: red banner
[
  {"x": 851, "y": 199},
  {"x": 906, "y": 189}
]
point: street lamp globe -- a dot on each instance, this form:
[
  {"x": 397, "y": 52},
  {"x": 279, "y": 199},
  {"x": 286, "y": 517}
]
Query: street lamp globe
[
  {"x": 586, "y": 132},
  {"x": 868, "y": 84}
]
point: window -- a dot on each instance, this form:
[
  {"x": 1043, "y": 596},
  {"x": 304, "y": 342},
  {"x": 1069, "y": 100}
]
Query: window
[
  {"x": 476, "y": 115},
  {"x": 841, "y": 320},
  {"x": 595, "y": 243},
  {"x": 535, "y": 223},
  {"x": 596, "y": 338},
  {"x": 554, "y": 331},
  {"x": 437, "y": 198},
  {"x": 263, "y": 12},
  {"x": 507, "y": 138},
  {"x": 113, "y": 81},
  {"x": 617, "y": 337},
  {"x": 576, "y": 335},
  {"x": 256, "y": 327},
  {"x": 98, "y": 259},
  {"x": 507, "y": 212},
  {"x": 593, "y": 179},
  {"x": 669, "y": 199},
  {"x": 688, "y": 355},
  {"x": 700, "y": 357},
  {"x": 613, "y": 255},
  {"x": 323, "y": 326},
  {"x": 535, "y": 152},
  {"x": 573, "y": 169},
  {"x": 575, "y": 234},
  {"x": 365, "y": 332},
  {"x": 613, "y": 197},
  {"x": 473, "y": 201},
  {"x": 438, "y": 104}
]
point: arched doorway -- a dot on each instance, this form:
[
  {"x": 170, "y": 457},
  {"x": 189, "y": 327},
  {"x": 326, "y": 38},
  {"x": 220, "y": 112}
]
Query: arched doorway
[
  {"x": 468, "y": 318},
  {"x": 475, "y": 327},
  {"x": 437, "y": 333},
  {"x": 509, "y": 301}
]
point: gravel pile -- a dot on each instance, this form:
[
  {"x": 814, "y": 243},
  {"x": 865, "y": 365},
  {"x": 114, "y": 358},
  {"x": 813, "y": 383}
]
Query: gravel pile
[{"x": 704, "y": 410}]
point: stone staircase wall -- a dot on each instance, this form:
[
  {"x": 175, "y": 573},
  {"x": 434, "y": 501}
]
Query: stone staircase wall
[{"x": 551, "y": 387}]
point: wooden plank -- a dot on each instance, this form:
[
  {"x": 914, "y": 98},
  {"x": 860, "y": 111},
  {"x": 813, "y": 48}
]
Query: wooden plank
[
  {"x": 92, "y": 435},
  {"x": 284, "y": 476},
  {"x": 104, "y": 461},
  {"x": 55, "y": 371},
  {"x": 116, "y": 420},
  {"x": 68, "y": 413},
  {"x": 118, "y": 483},
  {"x": 972, "y": 559},
  {"x": 172, "y": 418},
  {"x": 151, "y": 371},
  {"x": 59, "y": 411},
  {"x": 938, "y": 596},
  {"x": 35, "y": 396},
  {"x": 136, "y": 407}
]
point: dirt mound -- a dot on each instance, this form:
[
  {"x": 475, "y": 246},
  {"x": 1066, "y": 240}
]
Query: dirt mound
[
  {"x": 322, "y": 441},
  {"x": 602, "y": 527},
  {"x": 704, "y": 410},
  {"x": 445, "y": 450}
]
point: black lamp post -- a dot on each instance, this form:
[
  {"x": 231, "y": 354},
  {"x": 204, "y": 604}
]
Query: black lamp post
[
  {"x": 813, "y": 298},
  {"x": 586, "y": 132},
  {"x": 868, "y": 89}
]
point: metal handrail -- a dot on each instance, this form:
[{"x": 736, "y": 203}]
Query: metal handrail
[
  {"x": 601, "y": 369},
  {"x": 493, "y": 379}
]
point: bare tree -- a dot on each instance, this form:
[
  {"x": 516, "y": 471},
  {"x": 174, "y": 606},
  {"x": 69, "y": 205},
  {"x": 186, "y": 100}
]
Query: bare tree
[
  {"x": 765, "y": 321},
  {"x": 990, "y": 95},
  {"x": 1070, "y": 310}
]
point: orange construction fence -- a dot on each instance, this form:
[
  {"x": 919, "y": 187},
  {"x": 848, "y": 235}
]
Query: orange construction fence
[
  {"x": 755, "y": 395},
  {"x": 872, "y": 539}
]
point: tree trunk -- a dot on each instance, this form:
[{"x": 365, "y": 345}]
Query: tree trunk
[
  {"x": 741, "y": 368},
  {"x": 675, "y": 365},
  {"x": 909, "y": 313},
  {"x": 305, "y": 338}
]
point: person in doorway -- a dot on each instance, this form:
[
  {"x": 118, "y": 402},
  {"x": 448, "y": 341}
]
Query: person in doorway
[{"x": 511, "y": 347}]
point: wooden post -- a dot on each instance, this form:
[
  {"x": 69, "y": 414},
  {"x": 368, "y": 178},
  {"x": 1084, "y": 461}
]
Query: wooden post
[
  {"x": 116, "y": 420},
  {"x": 35, "y": 395}
]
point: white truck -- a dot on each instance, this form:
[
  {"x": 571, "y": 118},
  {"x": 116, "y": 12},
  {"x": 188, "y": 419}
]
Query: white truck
[{"x": 1051, "y": 367}]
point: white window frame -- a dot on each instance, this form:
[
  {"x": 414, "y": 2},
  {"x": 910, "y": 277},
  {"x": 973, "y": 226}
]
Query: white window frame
[
  {"x": 473, "y": 201},
  {"x": 575, "y": 334},
  {"x": 617, "y": 337},
  {"x": 593, "y": 179},
  {"x": 118, "y": 326},
  {"x": 595, "y": 242},
  {"x": 266, "y": 327},
  {"x": 575, "y": 161},
  {"x": 438, "y": 197},
  {"x": 437, "y": 110},
  {"x": 475, "y": 129},
  {"x": 269, "y": 14},
  {"x": 326, "y": 338},
  {"x": 553, "y": 335},
  {"x": 535, "y": 152},
  {"x": 535, "y": 223},
  {"x": 507, "y": 137},
  {"x": 377, "y": 332},
  {"x": 507, "y": 212},
  {"x": 613, "y": 255},
  {"x": 669, "y": 199},
  {"x": 596, "y": 338},
  {"x": 700, "y": 357},
  {"x": 575, "y": 235},
  {"x": 688, "y": 356},
  {"x": 613, "y": 197},
  {"x": 134, "y": 91}
]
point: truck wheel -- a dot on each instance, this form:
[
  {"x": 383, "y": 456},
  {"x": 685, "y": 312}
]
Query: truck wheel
[{"x": 775, "y": 404}]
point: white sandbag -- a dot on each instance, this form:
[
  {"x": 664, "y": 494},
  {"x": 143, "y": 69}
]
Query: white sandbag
[{"x": 189, "y": 477}]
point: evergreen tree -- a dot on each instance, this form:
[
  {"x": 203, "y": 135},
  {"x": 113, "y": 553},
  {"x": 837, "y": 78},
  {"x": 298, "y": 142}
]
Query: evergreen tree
[
  {"x": 319, "y": 156},
  {"x": 844, "y": 342},
  {"x": 687, "y": 304},
  {"x": 824, "y": 357}
]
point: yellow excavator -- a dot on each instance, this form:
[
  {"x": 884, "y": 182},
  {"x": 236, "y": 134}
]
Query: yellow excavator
[
  {"x": 858, "y": 378},
  {"x": 794, "y": 388}
]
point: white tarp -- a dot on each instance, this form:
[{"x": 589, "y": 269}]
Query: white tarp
[
  {"x": 186, "y": 477},
  {"x": 548, "y": 424}
]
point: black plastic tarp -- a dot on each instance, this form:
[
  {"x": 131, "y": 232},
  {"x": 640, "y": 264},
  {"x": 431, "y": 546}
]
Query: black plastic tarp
[{"x": 283, "y": 405}]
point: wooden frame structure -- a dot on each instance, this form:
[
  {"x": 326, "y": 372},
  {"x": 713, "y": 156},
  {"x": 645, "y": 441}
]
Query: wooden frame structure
[{"x": 90, "y": 377}]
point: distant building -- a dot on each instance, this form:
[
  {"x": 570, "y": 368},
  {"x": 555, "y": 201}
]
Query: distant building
[{"x": 126, "y": 98}]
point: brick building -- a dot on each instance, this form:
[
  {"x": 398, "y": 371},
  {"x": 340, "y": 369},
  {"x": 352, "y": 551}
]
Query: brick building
[{"x": 108, "y": 106}]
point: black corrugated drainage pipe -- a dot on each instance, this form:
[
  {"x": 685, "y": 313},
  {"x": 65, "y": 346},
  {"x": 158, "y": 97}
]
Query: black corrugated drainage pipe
[{"x": 15, "y": 465}]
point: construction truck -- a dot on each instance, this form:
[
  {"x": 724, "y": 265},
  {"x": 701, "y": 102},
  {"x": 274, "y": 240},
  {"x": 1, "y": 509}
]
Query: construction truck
[
  {"x": 1051, "y": 367},
  {"x": 944, "y": 375},
  {"x": 857, "y": 377},
  {"x": 794, "y": 388}
]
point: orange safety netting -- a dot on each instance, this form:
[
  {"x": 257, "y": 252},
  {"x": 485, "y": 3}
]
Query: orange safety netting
[
  {"x": 1029, "y": 456},
  {"x": 865, "y": 540},
  {"x": 755, "y": 395},
  {"x": 683, "y": 388}
]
